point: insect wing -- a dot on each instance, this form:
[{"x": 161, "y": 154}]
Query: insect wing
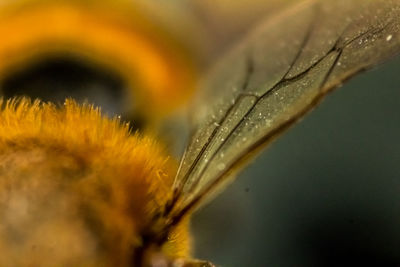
[{"x": 275, "y": 76}]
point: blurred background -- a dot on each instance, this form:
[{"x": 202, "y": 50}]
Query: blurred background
[
  {"x": 327, "y": 193},
  {"x": 324, "y": 194}
]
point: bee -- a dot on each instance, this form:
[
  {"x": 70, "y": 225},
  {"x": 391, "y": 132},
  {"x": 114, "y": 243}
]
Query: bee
[{"x": 79, "y": 189}]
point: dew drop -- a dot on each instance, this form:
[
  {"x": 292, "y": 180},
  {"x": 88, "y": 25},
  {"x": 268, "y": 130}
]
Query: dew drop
[{"x": 221, "y": 166}]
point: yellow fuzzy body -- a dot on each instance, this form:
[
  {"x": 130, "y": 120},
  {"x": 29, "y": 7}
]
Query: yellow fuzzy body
[{"x": 77, "y": 189}]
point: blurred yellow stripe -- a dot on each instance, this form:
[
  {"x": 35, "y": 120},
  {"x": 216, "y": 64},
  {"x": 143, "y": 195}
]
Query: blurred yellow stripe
[{"x": 145, "y": 55}]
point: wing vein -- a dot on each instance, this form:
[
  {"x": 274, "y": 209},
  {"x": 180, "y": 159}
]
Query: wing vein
[
  {"x": 178, "y": 190},
  {"x": 268, "y": 92}
]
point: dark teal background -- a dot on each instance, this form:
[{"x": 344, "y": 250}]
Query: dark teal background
[{"x": 327, "y": 193}]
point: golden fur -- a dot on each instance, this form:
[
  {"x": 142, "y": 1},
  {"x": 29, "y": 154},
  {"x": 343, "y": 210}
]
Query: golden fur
[{"x": 77, "y": 187}]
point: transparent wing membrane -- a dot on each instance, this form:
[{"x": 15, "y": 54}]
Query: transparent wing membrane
[{"x": 274, "y": 77}]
